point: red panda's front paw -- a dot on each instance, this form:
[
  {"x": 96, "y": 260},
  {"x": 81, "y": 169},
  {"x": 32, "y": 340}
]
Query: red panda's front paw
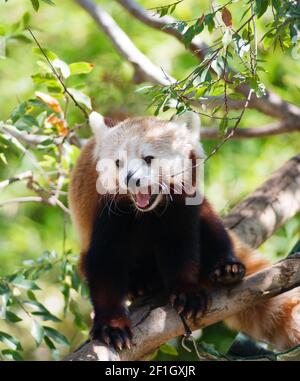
[
  {"x": 115, "y": 332},
  {"x": 190, "y": 304},
  {"x": 228, "y": 273}
]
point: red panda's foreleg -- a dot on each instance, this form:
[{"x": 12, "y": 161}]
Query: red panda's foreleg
[{"x": 107, "y": 277}]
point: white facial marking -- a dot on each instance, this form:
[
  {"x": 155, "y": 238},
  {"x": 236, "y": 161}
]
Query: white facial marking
[{"x": 121, "y": 150}]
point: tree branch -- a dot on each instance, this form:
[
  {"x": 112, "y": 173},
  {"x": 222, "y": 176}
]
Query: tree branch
[
  {"x": 271, "y": 104},
  {"x": 257, "y": 217},
  {"x": 276, "y": 128},
  {"x": 30, "y": 140},
  {"x": 209, "y": 133},
  {"x": 124, "y": 45},
  {"x": 254, "y": 220},
  {"x": 22, "y": 176},
  {"x": 163, "y": 323}
]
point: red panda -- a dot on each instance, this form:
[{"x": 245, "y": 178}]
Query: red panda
[{"x": 139, "y": 235}]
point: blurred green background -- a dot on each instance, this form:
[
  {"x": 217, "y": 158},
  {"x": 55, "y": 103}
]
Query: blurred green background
[{"x": 236, "y": 170}]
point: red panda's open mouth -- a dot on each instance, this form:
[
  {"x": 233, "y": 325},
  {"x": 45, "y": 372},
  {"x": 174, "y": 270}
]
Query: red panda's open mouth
[{"x": 144, "y": 201}]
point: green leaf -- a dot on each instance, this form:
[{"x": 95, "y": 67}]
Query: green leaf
[
  {"x": 49, "y": 343},
  {"x": 42, "y": 311},
  {"x": 46, "y": 316},
  {"x": 81, "y": 98},
  {"x": 58, "y": 337},
  {"x": 169, "y": 350},
  {"x": 21, "y": 282},
  {"x": 188, "y": 35},
  {"x": 12, "y": 355},
  {"x": 75, "y": 280},
  {"x": 4, "y": 289},
  {"x": 209, "y": 22},
  {"x": 81, "y": 68},
  {"x": 12, "y": 317},
  {"x": 26, "y": 20},
  {"x": 37, "y": 332},
  {"x": 62, "y": 68},
  {"x": 20, "y": 37},
  {"x": 3, "y": 47},
  {"x": 52, "y": 56},
  {"x": 276, "y": 4},
  {"x": 35, "y": 4},
  {"x": 3, "y": 158},
  {"x": 50, "y": 2},
  {"x": 10, "y": 341},
  {"x": 18, "y": 111},
  {"x": 31, "y": 295},
  {"x": 5, "y": 299},
  {"x": 223, "y": 125},
  {"x": 144, "y": 89},
  {"x": 26, "y": 122},
  {"x": 260, "y": 7},
  {"x": 227, "y": 37}
]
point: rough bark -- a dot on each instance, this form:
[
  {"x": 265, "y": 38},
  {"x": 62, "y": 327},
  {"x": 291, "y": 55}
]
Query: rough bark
[{"x": 258, "y": 216}]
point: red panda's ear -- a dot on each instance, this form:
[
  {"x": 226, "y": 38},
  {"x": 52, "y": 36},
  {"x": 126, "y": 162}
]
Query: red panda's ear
[
  {"x": 98, "y": 125},
  {"x": 191, "y": 120}
]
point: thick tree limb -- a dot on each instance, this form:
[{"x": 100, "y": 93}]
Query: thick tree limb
[
  {"x": 163, "y": 323},
  {"x": 145, "y": 69},
  {"x": 271, "y": 104},
  {"x": 207, "y": 133},
  {"x": 254, "y": 220},
  {"x": 153, "y": 20},
  {"x": 276, "y": 128},
  {"x": 257, "y": 217},
  {"x": 124, "y": 45}
]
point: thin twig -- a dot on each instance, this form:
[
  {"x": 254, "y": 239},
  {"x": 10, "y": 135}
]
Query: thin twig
[
  {"x": 232, "y": 131},
  {"x": 22, "y": 176},
  {"x": 56, "y": 74}
]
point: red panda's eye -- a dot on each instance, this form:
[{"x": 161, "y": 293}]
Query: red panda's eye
[
  {"x": 118, "y": 163},
  {"x": 148, "y": 159}
]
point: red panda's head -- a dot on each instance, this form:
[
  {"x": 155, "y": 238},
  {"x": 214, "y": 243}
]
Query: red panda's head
[{"x": 147, "y": 159}]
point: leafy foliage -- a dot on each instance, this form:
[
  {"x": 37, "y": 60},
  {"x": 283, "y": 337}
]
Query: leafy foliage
[
  {"x": 43, "y": 134},
  {"x": 19, "y": 295},
  {"x": 233, "y": 46}
]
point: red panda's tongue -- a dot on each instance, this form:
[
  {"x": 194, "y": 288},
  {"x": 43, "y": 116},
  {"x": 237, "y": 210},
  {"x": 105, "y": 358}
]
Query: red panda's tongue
[{"x": 142, "y": 200}]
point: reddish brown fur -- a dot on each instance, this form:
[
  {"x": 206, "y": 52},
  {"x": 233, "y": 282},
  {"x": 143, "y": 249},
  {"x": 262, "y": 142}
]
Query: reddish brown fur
[{"x": 83, "y": 197}]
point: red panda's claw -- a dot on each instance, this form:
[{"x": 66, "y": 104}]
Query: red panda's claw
[
  {"x": 228, "y": 273},
  {"x": 118, "y": 338},
  {"x": 190, "y": 304},
  {"x": 172, "y": 300}
]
